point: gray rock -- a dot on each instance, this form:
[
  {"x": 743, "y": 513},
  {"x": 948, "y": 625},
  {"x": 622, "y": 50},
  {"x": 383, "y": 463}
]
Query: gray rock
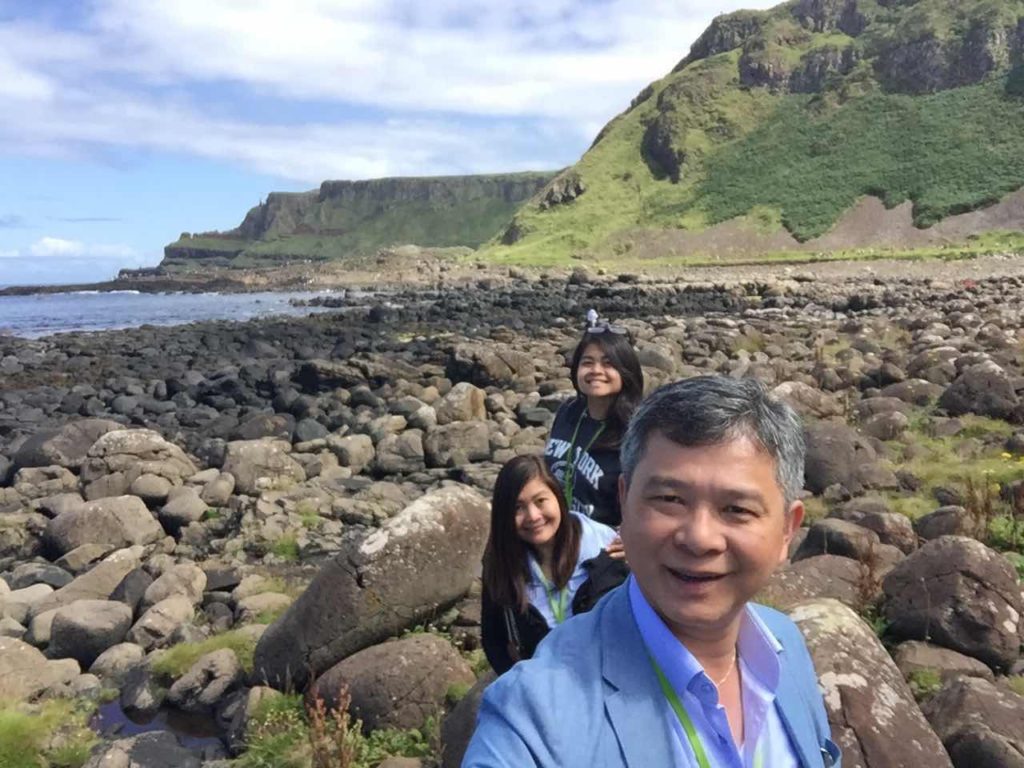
[
  {"x": 892, "y": 528},
  {"x": 979, "y": 723},
  {"x": 115, "y": 522},
  {"x": 185, "y": 579},
  {"x": 836, "y": 454},
  {"x": 51, "y": 506},
  {"x": 183, "y": 506},
  {"x": 822, "y": 576},
  {"x": 984, "y": 389},
  {"x": 39, "y": 482},
  {"x": 95, "y": 584},
  {"x": 141, "y": 696},
  {"x": 950, "y": 520},
  {"x": 808, "y": 401},
  {"x": 157, "y": 624},
  {"x": 217, "y": 491},
  {"x": 837, "y": 537},
  {"x": 136, "y": 452},
  {"x": 65, "y": 447},
  {"x": 27, "y": 574},
  {"x": 78, "y": 560},
  {"x": 400, "y": 454},
  {"x": 39, "y": 628},
  {"x": 454, "y": 445},
  {"x": 250, "y": 609},
  {"x": 11, "y": 628},
  {"x": 353, "y": 451},
  {"x": 212, "y": 678},
  {"x": 25, "y": 674},
  {"x": 259, "y": 465},
  {"x": 464, "y": 402},
  {"x": 423, "y": 558},
  {"x": 132, "y": 588},
  {"x": 154, "y": 749},
  {"x": 913, "y": 391},
  {"x": 914, "y": 656},
  {"x": 152, "y": 489},
  {"x": 398, "y": 684},
  {"x": 458, "y": 726},
  {"x": 113, "y": 665},
  {"x": 960, "y": 594},
  {"x": 86, "y": 628},
  {"x": 871, "y": 710},
  {"x": 21, "y": 535},
  {"x": 18, "y": 603},
  {"x": 885, "y": 426}
]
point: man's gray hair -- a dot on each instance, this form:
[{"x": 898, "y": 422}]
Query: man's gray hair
[{"x": 708, "y": 410}]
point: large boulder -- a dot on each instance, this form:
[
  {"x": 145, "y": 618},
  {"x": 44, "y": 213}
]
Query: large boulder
[
  {"x": 398, "y": 684},
  {"x": 185, "y": 579},
  {"x": 420, "y": 560},
  {"x": 837, "y": 537},
  {"x": 914, "y": 656},
  {"x": 66, "y": 446},
  {"x": 119, "y": 521},
  {"x": 260, "y": 465},
  {"x": 155, "y": 627},
  {"x": 984, "y": 389},
  {"x": 871, "y": 710},
  {"x": 353, "y": 451},
  {"x": 86, "y": 628},
  {"x": 134, "y": 453},
  {"x": 979, "y": 723},
  {"x": 183, "y": 506},
  {"x": 956, "y": 592},
  {"x": 836, "y": 454}
]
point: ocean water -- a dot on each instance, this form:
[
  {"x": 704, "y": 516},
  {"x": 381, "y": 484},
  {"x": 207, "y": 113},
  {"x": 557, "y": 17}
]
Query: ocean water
[{"x": 45, "y": 314}]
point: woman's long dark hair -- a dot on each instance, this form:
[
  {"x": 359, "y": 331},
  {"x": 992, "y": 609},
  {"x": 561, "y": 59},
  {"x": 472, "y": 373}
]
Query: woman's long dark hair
[
  {"x": 619, "y": 350},
  {"x": 506, "y": 567}
]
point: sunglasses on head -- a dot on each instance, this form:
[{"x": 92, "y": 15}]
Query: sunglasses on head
[{"x": 603, "y": 325}]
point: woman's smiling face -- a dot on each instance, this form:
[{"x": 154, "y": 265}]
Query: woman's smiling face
[
  {"x": 537, "y": 513},
  {"x": 596, "y": 376}
]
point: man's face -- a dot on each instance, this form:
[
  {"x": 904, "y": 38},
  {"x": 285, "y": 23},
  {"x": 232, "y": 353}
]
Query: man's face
[{"x": 703, "y": 529}]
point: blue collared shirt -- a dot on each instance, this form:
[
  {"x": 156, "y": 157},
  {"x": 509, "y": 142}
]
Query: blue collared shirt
[
  {"x": 758, "y": 651},
  {"x": 594, "y": 537}
]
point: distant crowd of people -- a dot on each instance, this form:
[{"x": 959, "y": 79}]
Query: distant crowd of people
[{"x": 619, "y": 573}]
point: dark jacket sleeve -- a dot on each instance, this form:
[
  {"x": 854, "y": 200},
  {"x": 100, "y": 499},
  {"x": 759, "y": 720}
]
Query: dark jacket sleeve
[{"x": 494, "y": 635}]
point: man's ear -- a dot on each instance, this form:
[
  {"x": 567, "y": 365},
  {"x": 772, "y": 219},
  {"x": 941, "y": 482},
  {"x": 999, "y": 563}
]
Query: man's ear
[{"x": 794, "y": 519}]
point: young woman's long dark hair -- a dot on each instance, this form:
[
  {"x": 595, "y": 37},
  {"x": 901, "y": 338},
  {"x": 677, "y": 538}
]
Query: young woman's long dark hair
[
  {"x": 620, "y": 352},
  {"x": 506, "y": 567}
]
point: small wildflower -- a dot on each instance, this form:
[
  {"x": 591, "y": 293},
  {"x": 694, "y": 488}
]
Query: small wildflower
[{"x": 1006, "y": 455}]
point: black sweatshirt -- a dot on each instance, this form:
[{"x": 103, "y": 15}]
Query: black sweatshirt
[{"x": 595, "y": 490}]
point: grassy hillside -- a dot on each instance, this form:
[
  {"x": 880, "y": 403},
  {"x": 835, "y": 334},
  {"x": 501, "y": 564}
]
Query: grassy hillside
[
  {"x": 786, "y": 117},
  {"x": 343, "y": 219}
]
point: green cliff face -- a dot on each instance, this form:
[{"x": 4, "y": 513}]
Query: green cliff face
[
  {"x": 352, "y": 218},
  {"x": 783, "y": 119}
]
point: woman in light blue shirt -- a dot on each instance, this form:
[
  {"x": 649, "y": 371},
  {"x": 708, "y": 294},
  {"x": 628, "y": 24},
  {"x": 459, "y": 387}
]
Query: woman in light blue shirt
[{"x": 534, "y": 561}]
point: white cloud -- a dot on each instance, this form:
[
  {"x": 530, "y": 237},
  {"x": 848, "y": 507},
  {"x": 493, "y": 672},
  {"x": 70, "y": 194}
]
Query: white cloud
[
  {"x": 59, "y": 248},
  {"x": 451, "y": 86}
]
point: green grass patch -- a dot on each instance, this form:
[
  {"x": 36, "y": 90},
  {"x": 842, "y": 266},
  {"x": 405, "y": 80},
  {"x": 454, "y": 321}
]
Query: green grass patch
[
  {"x": 53, "y": 734},
  {"x": 286, "y": 548},
  {"x": 282, "y": 734},
  {"x": 178, "y": 659},
  {"x": 924, "y": 683},
  {"x": 1016, "y": 683}
]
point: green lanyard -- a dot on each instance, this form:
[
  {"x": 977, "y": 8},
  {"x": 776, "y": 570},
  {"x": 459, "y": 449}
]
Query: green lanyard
[
  {"x": 559, "y": 606},
  {"x": 688, "y": 728},
  {"x": 570, "y": 470}
]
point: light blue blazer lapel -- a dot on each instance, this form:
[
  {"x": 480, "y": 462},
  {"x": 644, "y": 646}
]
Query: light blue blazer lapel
[
  {"x": 796, "y": 716},
  {"x": 633, "y": 699}
]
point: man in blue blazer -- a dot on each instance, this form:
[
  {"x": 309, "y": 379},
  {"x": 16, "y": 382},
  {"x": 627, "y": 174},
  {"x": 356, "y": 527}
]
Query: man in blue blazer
[{"x": 676, "y": 667}]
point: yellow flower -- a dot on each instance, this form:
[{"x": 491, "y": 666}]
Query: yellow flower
[{"x": 1006, "y": 455}]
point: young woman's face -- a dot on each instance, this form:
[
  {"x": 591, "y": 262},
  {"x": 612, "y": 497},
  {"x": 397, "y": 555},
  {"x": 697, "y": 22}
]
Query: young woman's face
[
  {"x": 596, "y": 376},
  {"x": 537, "y": 513}
]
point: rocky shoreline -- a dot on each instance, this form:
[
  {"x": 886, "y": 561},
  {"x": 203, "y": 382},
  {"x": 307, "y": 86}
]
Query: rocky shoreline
[{"x": 199, "y": 517}]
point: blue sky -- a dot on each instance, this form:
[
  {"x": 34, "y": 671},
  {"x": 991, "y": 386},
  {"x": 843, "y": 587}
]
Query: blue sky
[{"x": 127, "y": 122}]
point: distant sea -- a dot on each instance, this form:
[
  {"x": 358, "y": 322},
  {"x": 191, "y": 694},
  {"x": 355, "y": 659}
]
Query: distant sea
[{"x": 44, "y": 314}]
